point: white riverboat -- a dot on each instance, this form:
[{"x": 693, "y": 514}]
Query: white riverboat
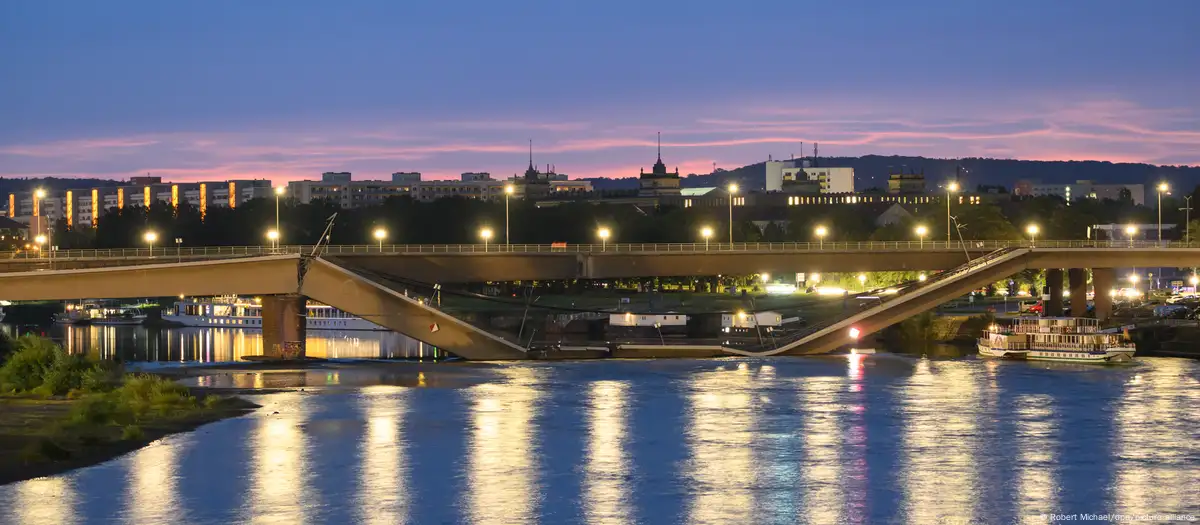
[
  {"x": 236, "y": 312},
  {"x": 1073, "y": 339}
]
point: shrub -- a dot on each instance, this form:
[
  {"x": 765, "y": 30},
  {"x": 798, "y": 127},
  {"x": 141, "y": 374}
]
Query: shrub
[
  {"x": 132, "y": 432},
  {"x": 27, "y": 367}
]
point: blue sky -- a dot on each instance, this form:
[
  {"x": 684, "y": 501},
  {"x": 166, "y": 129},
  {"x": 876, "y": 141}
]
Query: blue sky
[{"x": 289, "y": 89}]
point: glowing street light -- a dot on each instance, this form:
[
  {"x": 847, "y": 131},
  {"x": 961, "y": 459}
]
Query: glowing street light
[
  {"x": 380, "y": 234},
  {"x": 603, "y": 233},
  {"x": 766, "y": 277},
  {"x": 1194, "y": 280},
  {"x": 816, "y": 277},
  {"x": 273, "y": 236},
  {"x": 862, "y": 280},
  {"x": 1162, "y": 188},
  {"x": 921, "y": 231},
  {"x": 486, "y": 235},
  {"x": 733, "y": 189},
  {"x": 707, "y": 233},
  {"x": 509, "y": 189},
  {"x": 40, "y": 240},
  {"x": 150, "y": 238},
  {"x": 821, "y": 231},
  {"x": 1134, "y": 278},
  {"x": 38, "y": 195},
  {"x": 950, "y": 188},
  {"x": 1032, "y": 230},
  {"x": 1131, "y": 231},
  {"x": 922, "y": 277}
]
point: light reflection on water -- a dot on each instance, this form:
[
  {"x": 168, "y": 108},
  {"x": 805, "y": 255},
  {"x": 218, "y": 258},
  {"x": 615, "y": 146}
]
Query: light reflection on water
[
  {"x": 209, "y": 345},
  {"x": 847, "y": 439}
]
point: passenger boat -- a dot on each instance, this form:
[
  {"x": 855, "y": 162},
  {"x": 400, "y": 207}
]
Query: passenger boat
[
  {"x": 98, "y": 314},
  {"x": 236, "y": 312},
  {"x": 1073, "y": 339}
]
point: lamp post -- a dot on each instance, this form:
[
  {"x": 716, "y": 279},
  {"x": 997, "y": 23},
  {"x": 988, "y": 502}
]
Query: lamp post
[
  {"x": 150, "y": 238},
  {"x": 950, "y": 188},
  {"x": 706, "y": 232},
  {"x": 273, "y": 236},
  {"x": 1162, "y": 188},
  {"x": 921, "y": 231},
  {"x": 278, "y": 192},
  {"x": 41, "y": 242},
  {"x": 179, "y": 249},
  {"x": 380, "y": 234},
  {"x": 862, "y": 281},
  {"x": 486, "y": 235},
  {"x": 1032, "y": 230},
  {"x": 733, "y": 188},
  {"x": 1187, "y": 219},
  {"x": 821, "y": 232},
  {"x": 38, "y": 195},
  {"x": 603, "y": 234},
  {"x": 508, "y": 190},
  {"x": 1131, "y": 230}
]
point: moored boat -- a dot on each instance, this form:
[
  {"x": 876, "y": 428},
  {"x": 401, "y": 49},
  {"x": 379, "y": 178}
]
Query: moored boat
[
  {"x": 236, "y": 312},
  {"x": 1070, "y": 339}
]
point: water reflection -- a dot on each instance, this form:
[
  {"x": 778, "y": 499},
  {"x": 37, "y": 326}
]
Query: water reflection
[
  {"x": 720, "y": 435},
  {"x": 383, "y": 496},
  {"x": 41, "y": 501},
  {"x": 606, "y": 496},
  {"x": 502, "y": 465},
  {"x": 279, "y": 473},
  {"x": 1035, "y": 461},
  {"x": 152, "y": 492},
  {"x": 208, "y": 345},
  {"x": 939, "y": 478}
]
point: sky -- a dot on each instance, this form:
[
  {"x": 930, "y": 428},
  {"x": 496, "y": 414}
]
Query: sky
[{"x": 288, "y": 89}]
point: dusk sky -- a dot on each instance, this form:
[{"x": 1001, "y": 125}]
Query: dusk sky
[{"x": 210, "y": 90}]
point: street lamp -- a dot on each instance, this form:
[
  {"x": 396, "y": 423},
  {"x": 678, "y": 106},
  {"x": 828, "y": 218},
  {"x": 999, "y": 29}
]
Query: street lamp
[
  {"x": 733, "y": 189},
  {"x": 862, "y": 280},
  {"x": 706, "y": 232},
  {"x": 766, "y": 277},
  {"x": 278, "y": 192},
  {"x": 150, "y": 238},
  {"x": 38, "y": 195},
  {"x": 1131, "y": 230},
  {"x": 1194, "y": 280},
  {"x": 508, "y": 190},
  {"x": 486, "y": 235},
  {"x": 950, "y": 188},
  {"x": 922, "y": 277},
  {"x": 603, "y": 233},
  {"x": 921, "y": 231},
  {"x": 380, "y": 234},
  {"x": 1032, "y": 230},
  {"x": 273, "y": 236},
  {"x": 1162, "y": 188},
  {"x": 40, "y": 240},
  {"x": 178, "y": 249},
  {"x": 816, "y": 278},
  {"x": 821, "y": 232}
]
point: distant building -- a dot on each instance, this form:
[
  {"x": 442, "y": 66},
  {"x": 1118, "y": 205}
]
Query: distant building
[
  {"x": 406, "y": 177},
  {"x": 906, "y": 183},
  {"x": 13, "y": 235},
  {"x": 658, "y": 182},
  {"x": 1082, "y": 189},
  {"x": 475, "y": 176}
]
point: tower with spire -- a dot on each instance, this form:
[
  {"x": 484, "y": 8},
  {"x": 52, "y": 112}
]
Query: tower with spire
[{"x": 659, "y": 181}]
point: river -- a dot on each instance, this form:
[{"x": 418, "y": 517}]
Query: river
[{"x": 839, "y": 439}]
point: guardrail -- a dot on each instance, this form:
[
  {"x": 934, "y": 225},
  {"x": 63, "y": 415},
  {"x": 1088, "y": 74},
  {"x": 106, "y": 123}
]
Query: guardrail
[{"x": 400, "y": 249}]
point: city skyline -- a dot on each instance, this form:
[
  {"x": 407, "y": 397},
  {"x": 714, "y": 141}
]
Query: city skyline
[{"x": 232, "y": 91}]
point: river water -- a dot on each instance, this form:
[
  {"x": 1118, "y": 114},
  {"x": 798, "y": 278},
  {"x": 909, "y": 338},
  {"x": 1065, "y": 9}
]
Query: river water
[{"x": 843, "y": 439}]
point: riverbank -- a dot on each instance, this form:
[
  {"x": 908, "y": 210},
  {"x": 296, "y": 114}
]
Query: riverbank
[{"x": 35, "y": 440}]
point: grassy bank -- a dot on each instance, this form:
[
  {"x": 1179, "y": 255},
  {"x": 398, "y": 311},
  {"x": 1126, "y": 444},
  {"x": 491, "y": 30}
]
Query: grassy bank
[{"x": 61, "y": 411}]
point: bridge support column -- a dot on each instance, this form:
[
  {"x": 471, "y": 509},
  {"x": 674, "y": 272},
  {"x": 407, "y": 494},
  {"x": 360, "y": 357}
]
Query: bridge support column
[
  {"x": 1054, "y": 281},
  {"x": 283, "y": 326},
  {"x": 1077, "y": 283},
  {"x": 1103, "y": 281}
]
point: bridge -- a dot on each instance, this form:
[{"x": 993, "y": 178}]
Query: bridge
[
  {"x": 460, "y": 263},
  {"x": 338, "y": 278}
]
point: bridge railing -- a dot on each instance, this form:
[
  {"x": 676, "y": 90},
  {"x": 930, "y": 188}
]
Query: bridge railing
[{"x": 167, "y": 252}]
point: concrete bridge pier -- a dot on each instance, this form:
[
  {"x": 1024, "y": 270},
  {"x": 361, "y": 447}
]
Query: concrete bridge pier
[
  {"x": 283, "y": 326},
  {"x": 1054, "y": 281},
  {"x": 1103, "y": 282},
  {"x": 1077, "y": 283}
]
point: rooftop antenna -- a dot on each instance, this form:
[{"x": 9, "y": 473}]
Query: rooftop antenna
[
  {"x": 530, "y": 153},
  {"x": 660, "y": 146}
]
